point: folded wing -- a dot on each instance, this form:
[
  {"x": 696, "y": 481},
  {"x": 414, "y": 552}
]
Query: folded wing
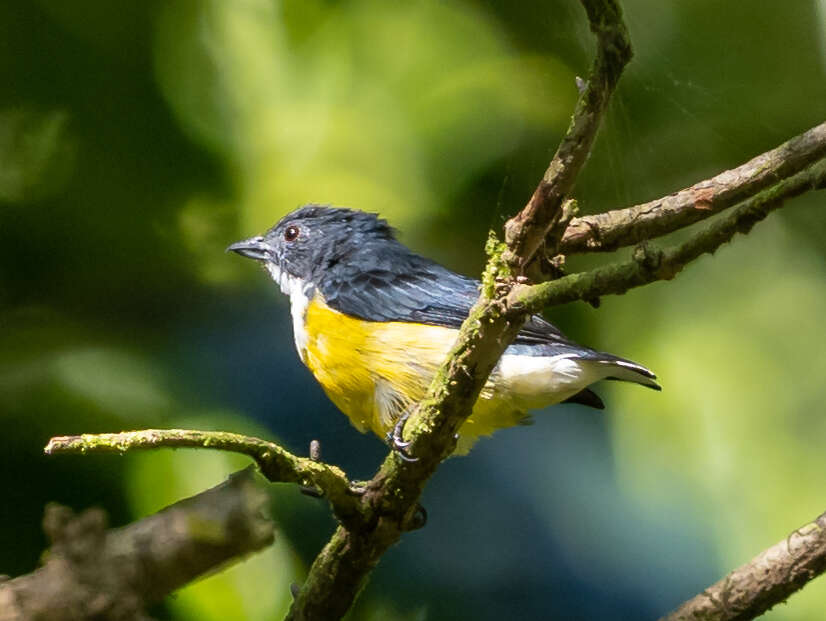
[{"x": 393, "y": 284}]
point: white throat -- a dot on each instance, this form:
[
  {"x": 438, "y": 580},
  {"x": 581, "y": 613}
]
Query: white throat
[{"x": 299, "y": 292}]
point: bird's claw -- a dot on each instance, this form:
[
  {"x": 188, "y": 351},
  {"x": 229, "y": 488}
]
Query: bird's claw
[
  {"x": 405, "y": 455},
  {"x": 397, "y": 441}
]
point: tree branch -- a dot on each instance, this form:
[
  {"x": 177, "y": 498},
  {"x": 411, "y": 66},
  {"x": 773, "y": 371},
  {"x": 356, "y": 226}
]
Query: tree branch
[
  {"x": 94, "y": 573},
  {"x": 768, "y": 579},
  {"x": 626, "y": 227},
  {"x": 525, "y": 232},
  {"x": 650, "y": 264},
  {"x": 275, "y": 462},
  {"x": 341, "y": 568}
]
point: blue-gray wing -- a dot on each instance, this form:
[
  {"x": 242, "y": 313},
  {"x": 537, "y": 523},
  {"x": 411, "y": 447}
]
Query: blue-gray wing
[{"x": 424, "y": 292}]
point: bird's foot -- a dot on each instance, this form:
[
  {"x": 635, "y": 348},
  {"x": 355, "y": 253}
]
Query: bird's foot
[{"x": 397, "y": 441}]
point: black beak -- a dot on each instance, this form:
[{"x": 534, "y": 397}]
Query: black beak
[{"x": 252, "y": 248}]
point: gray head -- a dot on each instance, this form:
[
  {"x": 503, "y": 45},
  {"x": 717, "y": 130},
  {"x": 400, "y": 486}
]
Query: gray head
[{"x": 311, "y": 242}]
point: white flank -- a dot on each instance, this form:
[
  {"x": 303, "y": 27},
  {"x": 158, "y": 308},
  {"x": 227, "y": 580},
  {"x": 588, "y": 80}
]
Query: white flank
[
  {"x": 537, "y": 381},
  {"x": 297, "y": 289}
]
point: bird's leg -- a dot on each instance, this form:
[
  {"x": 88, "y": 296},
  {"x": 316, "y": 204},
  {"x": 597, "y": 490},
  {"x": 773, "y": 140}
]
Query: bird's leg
[
  {"x": 396, "y": 437},
  {"x": 315, "y": 450}
]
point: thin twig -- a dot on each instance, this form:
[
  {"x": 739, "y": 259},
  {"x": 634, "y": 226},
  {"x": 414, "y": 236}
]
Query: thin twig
[
  {"x": 768, "y": 579},
  {"x": 626, "y": 227},
  {"x": 650, "y": 264},
  {"x": 275, "y": 462},
  {"x": 525, "y": 232}
]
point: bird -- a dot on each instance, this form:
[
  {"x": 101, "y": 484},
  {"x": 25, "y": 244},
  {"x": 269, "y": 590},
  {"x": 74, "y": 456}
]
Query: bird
[{"x": 373, "y": 320}]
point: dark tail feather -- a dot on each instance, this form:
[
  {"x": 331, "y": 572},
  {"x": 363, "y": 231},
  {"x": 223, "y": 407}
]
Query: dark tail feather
[
  {"x": 587, "y": 397},
  {"x": 627, "y": 371}
]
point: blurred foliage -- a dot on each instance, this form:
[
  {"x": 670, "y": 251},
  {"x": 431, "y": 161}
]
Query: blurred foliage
[
  {"x": 38, "y": 154},
  {"x": 137, "y": 140},
  {"x": 348, "y": 101}
]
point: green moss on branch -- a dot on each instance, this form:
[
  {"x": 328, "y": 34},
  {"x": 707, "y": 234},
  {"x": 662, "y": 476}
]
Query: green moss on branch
[
  {"x": 275, "y": 462},
  {"x": 650, "y": 264}
]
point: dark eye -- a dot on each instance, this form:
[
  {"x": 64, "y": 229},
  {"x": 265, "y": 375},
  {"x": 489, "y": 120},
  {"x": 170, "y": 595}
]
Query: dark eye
[{"x": 291, "y": 233}]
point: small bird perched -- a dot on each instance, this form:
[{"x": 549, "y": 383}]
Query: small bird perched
[{"x": 373, "y": 321}]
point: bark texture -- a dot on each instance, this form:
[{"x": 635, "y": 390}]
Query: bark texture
[
  {"x": 94, "y": 573},
  {"x": 626, "y": 227},
  {"x": 768, "y": 579}
]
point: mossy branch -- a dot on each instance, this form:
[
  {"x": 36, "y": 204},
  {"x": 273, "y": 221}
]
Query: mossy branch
[
  {"x": 276, "y": 463},
  {"x": 650, "y": 264},
  {"x": 392, "y": 495}
]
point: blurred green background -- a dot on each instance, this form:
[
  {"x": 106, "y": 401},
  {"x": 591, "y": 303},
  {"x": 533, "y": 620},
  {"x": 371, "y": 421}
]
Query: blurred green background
[{"x": 139, "y": 139}]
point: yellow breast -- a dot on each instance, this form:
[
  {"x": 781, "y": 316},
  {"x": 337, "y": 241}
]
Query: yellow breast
[{"x": 371, "y": 370}]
